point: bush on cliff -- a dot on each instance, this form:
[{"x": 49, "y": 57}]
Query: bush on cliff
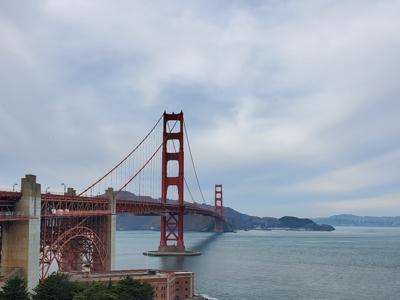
[
  {"x": 97, "y": 292},
  {"x": 57, "y": 287},
  {"x": 15, "y": 289},
  {"x": 126, "y": 289},
  {"x": 129, "y": 289}
]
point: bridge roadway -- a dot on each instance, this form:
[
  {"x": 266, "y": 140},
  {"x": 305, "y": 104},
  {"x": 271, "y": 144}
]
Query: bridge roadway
[
  {"x": 80, "y": 206},
  {"x": 70, "y": 229}
]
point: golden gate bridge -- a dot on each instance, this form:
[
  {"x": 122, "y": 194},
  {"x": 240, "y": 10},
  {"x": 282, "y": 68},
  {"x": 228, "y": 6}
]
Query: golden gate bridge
[{"x": 41, "y": 231}]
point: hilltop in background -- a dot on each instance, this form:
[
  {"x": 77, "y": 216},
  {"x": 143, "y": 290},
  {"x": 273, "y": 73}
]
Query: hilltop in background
[{"x": 352, "y": 220}]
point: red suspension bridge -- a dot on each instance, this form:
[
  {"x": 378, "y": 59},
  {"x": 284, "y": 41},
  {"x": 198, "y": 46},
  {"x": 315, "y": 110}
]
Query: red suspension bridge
[{"x": 42, "y": 231}]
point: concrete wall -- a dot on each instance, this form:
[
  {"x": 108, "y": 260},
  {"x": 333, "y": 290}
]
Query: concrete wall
[
  {"x": 111, "y": 227},
  {"x": 21, "y": 239}
]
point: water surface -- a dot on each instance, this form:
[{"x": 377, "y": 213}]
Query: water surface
[{"x": 349, "y": 263}]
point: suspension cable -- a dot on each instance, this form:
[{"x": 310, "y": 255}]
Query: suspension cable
[
  {"x": 147, "y": 162},
  {"x": 124, "y": 159},
  {"x": 191, "y": 158}
]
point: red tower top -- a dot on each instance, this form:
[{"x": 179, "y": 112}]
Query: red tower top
[
  {"x": 173, "y": 133},
  {"x": 219, "y": 208},
  {"x": 218, "y": 202}
]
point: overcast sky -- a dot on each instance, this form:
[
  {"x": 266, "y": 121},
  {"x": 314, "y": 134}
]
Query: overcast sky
[{"x": 292, "y": 105}]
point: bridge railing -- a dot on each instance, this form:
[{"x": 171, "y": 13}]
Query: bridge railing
[
  {"x": 17, "y": 188},
  {"x": 11, "y": 215},
  {"x": 76, "y": 213}
]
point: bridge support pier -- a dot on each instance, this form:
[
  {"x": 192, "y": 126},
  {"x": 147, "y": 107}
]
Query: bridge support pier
[
  {"x": 111, "y": 225},
  {"x": 21, "y": 239}
]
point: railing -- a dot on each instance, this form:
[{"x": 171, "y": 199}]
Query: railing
[
  {"x": 12, "y": 215},
  {"x": 8, "y": 189},
  {"x": 72, "y": 198},
  {"x": 75, "y": 213}
]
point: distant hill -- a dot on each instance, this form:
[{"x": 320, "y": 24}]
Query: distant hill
[
  {"x": 239, "y": 221},
  {"x": 234, "y": 220},
  {"x": 352, "y": 220},
  {"x": 302, "y": 224}
]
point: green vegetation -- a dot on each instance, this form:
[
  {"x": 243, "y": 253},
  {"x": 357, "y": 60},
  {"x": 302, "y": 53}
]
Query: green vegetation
[
  {"x": 15, "y": 289},
  {"x": 97, "y": 292},
  {"x": 58, "y": 287},
  {"x": 126, "y": 289},
  {"x": 129, "y": 289}
]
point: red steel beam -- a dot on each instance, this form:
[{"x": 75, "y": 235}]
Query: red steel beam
[{"x": 123, "y": 206}]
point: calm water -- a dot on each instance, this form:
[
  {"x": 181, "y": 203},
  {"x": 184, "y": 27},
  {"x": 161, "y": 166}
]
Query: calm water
[{"x": 350, "y": 263}]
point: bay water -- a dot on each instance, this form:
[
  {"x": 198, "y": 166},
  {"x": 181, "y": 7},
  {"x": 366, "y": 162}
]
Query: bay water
[{"x": 349, "y": 263}]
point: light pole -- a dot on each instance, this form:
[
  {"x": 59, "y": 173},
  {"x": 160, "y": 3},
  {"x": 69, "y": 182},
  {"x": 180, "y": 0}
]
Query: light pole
[
  {"x": 65, "y": 187},
  {"x": 14, "y": 185}
]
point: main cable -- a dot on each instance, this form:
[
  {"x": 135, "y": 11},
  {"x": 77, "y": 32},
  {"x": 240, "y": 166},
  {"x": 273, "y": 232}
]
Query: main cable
[
  {"x": 147, "y": 162},
  {"x": 124, "y": 159}
]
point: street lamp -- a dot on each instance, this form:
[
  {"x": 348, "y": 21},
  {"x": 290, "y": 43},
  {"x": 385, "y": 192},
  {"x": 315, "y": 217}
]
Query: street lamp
[
  {"x": 14, "y": 185},
  {"x": 65, "y": 187}
]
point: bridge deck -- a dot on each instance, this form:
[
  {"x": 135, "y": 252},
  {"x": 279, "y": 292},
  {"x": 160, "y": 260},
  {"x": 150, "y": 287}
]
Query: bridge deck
[{"x": 90, "y": 206}]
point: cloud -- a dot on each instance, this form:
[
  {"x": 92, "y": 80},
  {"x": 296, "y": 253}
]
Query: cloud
[
  {"x": 280, "y": 95},
  {"x": 378, "y": 171},
  {"x": 364, "y": 206}
]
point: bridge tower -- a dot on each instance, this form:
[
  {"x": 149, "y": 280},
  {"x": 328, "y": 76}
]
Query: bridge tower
[
  {"x": 219, "y": 208},
  {"x": 171, "y": 225}
]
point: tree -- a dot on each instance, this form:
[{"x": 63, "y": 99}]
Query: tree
[
  {"x": 15, "y": 289},
  {"x": 97, "y": 292},
  {"x": 56, "y": 287},
  {"x": 129, "y": 289}
]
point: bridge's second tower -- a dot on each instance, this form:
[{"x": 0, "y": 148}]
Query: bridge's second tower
[
  {"x": 171, "y": 225},
  {"x": 219, "y": 208}
]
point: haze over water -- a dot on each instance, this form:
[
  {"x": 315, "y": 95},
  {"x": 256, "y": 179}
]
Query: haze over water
[{"x": 349, "y": 263}]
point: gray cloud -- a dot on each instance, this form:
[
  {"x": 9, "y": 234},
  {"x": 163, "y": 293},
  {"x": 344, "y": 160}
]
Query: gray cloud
[{"x": 292, "y": 105}]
